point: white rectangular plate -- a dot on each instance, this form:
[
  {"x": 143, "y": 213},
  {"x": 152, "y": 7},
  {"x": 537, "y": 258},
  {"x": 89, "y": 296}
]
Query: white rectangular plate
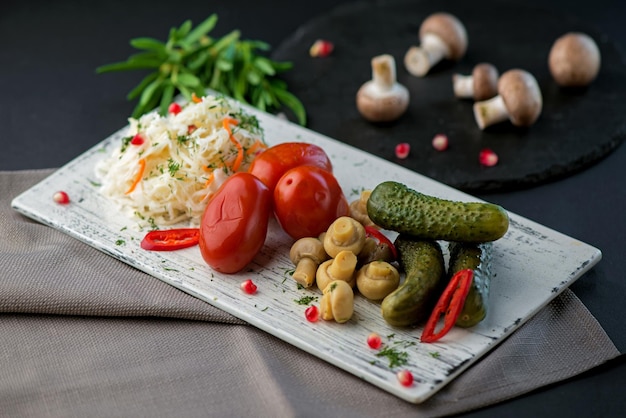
[{"x": 532, "y": 264}]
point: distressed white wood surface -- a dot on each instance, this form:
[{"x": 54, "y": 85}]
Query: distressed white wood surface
[{"x": 532, "y": 264}]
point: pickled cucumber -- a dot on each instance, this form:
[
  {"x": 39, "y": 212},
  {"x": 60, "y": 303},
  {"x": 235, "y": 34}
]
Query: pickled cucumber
[
  {"x": 423, "y": 264},
  {"x": 476, "y": 257},
  {"x": 396, "y": 207}
]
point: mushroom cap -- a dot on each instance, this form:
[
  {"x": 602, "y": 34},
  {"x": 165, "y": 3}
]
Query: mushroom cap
[
  {"x": 308, "y": 247},
  {"x": 378, "y": 105},
  {"x": 485, "y": 81},
  {"x": 450, "y": 29},
  {"x": 574, "y": 60},
  {"x": 337, "y": 301},
  {"x": 344, "y": 234},
  {"x": 377, "y": 279},
  {"x": 521, "y": 95}
]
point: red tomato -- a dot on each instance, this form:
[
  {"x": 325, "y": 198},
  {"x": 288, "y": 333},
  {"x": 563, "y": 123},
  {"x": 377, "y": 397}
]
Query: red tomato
[
  {"x": 307, "y": 200},
  {"x": 234, "y": 223},
  {"x": 271, "y": 164}
]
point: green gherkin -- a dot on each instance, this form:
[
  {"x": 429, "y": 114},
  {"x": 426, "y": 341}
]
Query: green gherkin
[
  {"x": 476, "y": 257},
  {"x": 422, "y": 261},
  {"x": 396, "y": 207}
]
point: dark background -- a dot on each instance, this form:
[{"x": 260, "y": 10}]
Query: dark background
[{"x": 53, "y": 107}]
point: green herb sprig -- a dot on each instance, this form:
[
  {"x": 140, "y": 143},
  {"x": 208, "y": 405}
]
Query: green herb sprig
[{"x": 190, "y": 62}]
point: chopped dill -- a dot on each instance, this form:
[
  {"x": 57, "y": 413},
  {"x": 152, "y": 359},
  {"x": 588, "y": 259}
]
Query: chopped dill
[
  {"x": 395, "y": 357},
  {"x": 182, "y": 139},
  {"x": 305, "y": 300},
  {"x": 125, "y": 142},
  {"x": 173, "y": 167}
]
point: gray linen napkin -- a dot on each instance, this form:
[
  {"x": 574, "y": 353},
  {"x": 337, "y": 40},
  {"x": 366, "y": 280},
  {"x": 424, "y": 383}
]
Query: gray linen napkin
[{"x": 92, "y": 336}]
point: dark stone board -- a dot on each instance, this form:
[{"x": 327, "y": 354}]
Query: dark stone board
[{"x": 576, "y": 128}]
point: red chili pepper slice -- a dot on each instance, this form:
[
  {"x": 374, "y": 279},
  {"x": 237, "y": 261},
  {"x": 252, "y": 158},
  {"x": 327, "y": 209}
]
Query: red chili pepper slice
[
  {"x": 170, "y": 239},
  {"x": 375, "y": 233},
  {"x": 450, "y": 304}
]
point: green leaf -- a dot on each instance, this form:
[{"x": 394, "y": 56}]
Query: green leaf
[
  {"x": 264, "y": 65},
  {"x": 148, "y": 58},
  {"x": 183, "y": 30},
  {"x": 225, "y": 42},
  {"x": 149, "y": 91},
  {"x": 188, "y": 80},
  {"x": 166, "y": 98},
  {"x": 280, "y": 67},
  {"x": 136, "y": 91},
  {"x": 194, "y": 63},
  {"x": 293, "y": 103},
  {"x": 253, "y": 77},
  {"x": 224, "y": 64},
  {"x": 123, "y": 66},
  {"x": 202, "y": 29},
  {"x": 175, "y": 56},
  {"x": 185, "y": 92},
  {"x": 149, "y": 44},
  {"x": 263, "y": 46}
]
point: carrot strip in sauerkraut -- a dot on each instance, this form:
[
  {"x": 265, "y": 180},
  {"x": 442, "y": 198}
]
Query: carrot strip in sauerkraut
[{"x": 138, "y": 176}]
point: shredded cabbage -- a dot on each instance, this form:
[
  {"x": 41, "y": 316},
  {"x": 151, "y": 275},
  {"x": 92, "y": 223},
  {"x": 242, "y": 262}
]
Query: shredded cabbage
[{"x": 187, "y": 157}]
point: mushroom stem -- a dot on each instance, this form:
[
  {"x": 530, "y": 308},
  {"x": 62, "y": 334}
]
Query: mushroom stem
[
  {"x": 305, "y": 272},
  {"x": 419, "y": 60},
  {"x": 343, "y": 265},
  {"x": 463, "y": 85},
  {"x": 491, "y": 111},
  {"x": 384, "y": 72}
]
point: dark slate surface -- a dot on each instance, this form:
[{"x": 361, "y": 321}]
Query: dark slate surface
[{"x": 576, "y": 129}]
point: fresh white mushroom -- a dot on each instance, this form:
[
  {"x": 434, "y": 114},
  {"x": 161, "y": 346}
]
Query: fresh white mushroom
[
  {"x": 307, "y": 254},
  {"x": 482, "y": 84},
  {"x": 337, "y": 302},
  {"x": 519, "y": 100},
  {"x": 442, "y": 36},
  {"x": 382, "y": 99},
  {"x": 574, "y": 60}
]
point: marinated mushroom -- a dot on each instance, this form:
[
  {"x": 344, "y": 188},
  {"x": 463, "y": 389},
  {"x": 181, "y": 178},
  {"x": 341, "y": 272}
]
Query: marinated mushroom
[
  {"x": 382, "y": 99},
  {"x": 377, "y": 279},
  {"x": 344, "y": 234},
  {"x": 373, "y": 251},
  {"x": 519, "y": 100},
  {"x": 307, "y": 254},
  {"x": 337, "y": 302},
  {"x": 482, "y": 84},
  {"x": 342, "y": 268},
  {"x": 358, "y": 208},
  {"x": 574, "y": 60},
  {"x": 442, "y": 36}
]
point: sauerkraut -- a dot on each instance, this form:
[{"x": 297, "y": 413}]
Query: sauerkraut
[{"x": 167, "y": 167}]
